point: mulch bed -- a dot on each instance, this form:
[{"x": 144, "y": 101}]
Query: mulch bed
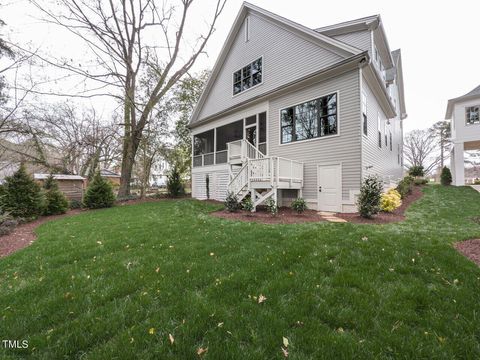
[
  {"x": 285, "y": 216},
  {"x": 470, "y": 249},
  {"x": 24, "y": 234},
  {"x": 383, "y": 217}
]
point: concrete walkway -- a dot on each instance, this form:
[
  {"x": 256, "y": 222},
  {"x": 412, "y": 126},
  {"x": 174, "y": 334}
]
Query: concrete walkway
[
  {"x": 330, "y": 216},
  {"x": 476, "y": 187}
]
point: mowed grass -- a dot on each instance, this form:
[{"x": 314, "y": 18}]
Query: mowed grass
[{"x": 113, "y": 284}]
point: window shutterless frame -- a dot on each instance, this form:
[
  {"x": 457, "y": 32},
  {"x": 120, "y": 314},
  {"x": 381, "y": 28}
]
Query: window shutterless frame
[
  {"x": 337, "y": 93},
  {"x": 261, "y": 58}
]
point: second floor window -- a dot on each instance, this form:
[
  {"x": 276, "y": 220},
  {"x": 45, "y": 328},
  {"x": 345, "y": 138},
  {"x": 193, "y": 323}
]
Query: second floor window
[
  {"x": 312, "y": 119},
  {"x": 364, "y": 113},
  {"x": 247, "y": 77},
  {"x": 472, "y": 115}
]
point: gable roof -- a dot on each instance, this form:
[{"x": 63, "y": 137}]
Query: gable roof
[
  {"x": 471, "y": 95},
  {"x": 58, "y": 177},
  {"x": 338, "y": 47},
  {"x": 372, "y": 23}
]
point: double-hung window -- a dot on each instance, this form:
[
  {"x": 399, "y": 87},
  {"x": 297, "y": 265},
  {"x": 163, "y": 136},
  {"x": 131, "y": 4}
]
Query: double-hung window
[
  {"x": 364, "y": 114},
  {"x": 309, "y": 120},
  {"x": 247, "y": 77},
  {"x": 472, "y": 115}
]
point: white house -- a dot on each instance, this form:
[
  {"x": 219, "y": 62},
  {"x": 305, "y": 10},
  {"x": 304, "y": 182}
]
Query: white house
[
  {"x": 464, "y": 115},
  {"x": 291, "y": 111}
]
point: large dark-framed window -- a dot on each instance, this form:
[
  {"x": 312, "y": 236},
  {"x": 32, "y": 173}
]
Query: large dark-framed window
[
  {"x": 248, "y": 76},
  {"x": 309, "y": 120},
  {"x": 472, "y": 115}
]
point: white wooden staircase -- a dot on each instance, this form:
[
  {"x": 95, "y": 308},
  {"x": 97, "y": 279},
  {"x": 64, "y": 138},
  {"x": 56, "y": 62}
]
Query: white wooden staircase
[{"x": 260, "y": 176}]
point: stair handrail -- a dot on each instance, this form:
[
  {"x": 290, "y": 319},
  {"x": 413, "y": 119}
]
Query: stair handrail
[
  {"x": 250, "y": 149},
  {"x": 241, "y": 172}
]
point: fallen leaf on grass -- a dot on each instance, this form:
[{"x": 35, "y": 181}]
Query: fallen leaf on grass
[
  {"x": 201, "y": 351},
  {"x": 261, "y": 299},
  {"x": 285, "y": 342},
  {"x": 285, "y": 352},
  {"x": 151, "y": 331},
  {"x": 170, "y": 337}
]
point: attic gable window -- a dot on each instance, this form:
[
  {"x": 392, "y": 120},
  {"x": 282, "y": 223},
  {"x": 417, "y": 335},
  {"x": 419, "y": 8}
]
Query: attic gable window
[
  {"x": 247, "y": 77},
  {"x": 472, "y": 115}
]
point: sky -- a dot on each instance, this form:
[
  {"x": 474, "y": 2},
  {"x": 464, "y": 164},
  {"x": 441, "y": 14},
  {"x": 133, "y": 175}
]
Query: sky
[{"x": 438, "y": 39}]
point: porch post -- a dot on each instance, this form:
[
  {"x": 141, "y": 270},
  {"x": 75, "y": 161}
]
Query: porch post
[{"x": 458, "y": 165}]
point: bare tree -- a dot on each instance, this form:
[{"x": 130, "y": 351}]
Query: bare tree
[
  {"x": 123, "y": 38},
  {"x": 63, "y": 139},
  {"x": 421, "y": 149}
]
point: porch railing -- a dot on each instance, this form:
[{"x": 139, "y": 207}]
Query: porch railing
[{"x": 243, "y": 150}]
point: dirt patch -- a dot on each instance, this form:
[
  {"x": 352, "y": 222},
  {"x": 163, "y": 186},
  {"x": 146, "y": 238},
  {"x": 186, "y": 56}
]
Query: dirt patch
[
  {"x": 383, "y": 217},
  {"x": 285, "y": 216},
  {"x": 24, "y": 234},
  {"x": 470, "y": 249}
]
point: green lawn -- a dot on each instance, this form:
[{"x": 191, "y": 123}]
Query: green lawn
[{"x": 115, "y": 283}]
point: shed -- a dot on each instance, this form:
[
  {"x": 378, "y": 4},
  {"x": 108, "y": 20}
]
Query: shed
[
  {"x": 111, "y": 176},
  {"x": 73, "y": 186}
]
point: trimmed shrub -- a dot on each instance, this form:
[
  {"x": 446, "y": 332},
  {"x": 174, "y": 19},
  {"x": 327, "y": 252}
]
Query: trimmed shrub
[
  {"x": 390, "y": 200},
  {"x": 99, "y": 193},
  {"x": 174, "y": 183},
  {"x": 247, "y": 204},
  {"x": 22, "y": 196},
  {"x": 446, "y": 176},
  {"x": 299, "y": 205},
  {"x": 231, "y": 202},
  {"x": 75, "y": 204},
  {"x": 370, "y": 193},
  {"x": 272, "y": 207},
  {"x": 416, "y": 171},
  {"x": 420, "y": 181},
  {"x": 405, "y": 186},
  {"x": 55, "y": 202}
]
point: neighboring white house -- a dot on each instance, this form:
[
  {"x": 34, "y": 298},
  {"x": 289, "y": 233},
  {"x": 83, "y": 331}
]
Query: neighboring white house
[
  {"x": 159, "y": 172},
  {"x": 291, "y": 111},
  {"x": 464, "y": 113}
]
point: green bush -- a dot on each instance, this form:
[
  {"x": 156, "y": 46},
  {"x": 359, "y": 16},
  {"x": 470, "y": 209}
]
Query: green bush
[
  {"x": 446, "y": 176},
  {"x": 405, "y": 186},
  {"x": 370, "y": 193},
  {"x": 416, "y": 171},
  {"x": 299, "y": 205},
  {"x": 247, "y": 204},
  {"x": 231, "y": 202},
  {"x": 475, "y": 182},
  {"x": 272, "y": 207},
  {"x": 174, "y": 183},
  {"x": 99, "y": 193},
  {"x": 420, "y": 181},
  {"x": 55, "y": 202},
  {"x": 22, "y": 196},
  {"x": 75, "y": 204}
]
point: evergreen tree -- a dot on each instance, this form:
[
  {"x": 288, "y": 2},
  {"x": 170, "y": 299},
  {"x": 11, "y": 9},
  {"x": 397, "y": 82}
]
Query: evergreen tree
[
  {"x": 55, "y": 201},
  {"x": 99, "y": 193},
  {"x": 22, "y": 195},
  {"x": 446, "y": 176},
  {"x": 174, "y": 183}
]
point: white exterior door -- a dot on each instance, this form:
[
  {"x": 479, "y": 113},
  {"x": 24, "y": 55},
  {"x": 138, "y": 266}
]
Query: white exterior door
[{"x": 329, "y": 187}]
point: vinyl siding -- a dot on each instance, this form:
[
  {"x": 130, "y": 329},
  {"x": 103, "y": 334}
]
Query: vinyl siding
[
  {"x": 219, "y": 178},
  {"x": 286, "y": 57},
  {"x": 344, "y": 148},
  {"x": 376, "y": 160},
  {"x": 361, "y": 39}
]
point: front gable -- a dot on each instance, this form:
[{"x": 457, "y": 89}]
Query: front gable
[{"x": 288, "y": 53}]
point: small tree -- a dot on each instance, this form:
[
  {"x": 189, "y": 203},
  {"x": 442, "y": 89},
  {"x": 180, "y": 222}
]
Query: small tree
[
  {"x": 55, "y": 200},
  {"x": 22, "y": 195},
  {"x": 174, "y": 183},
  {"x": 99, "y": 193},
  {"x": 416, "y": 171},
  {"x": 370, "y": 195},
  {"x": 446, "y": 176}
]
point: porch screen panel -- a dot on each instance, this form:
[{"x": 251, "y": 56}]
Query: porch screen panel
[{"x": 228, "y": 133}]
